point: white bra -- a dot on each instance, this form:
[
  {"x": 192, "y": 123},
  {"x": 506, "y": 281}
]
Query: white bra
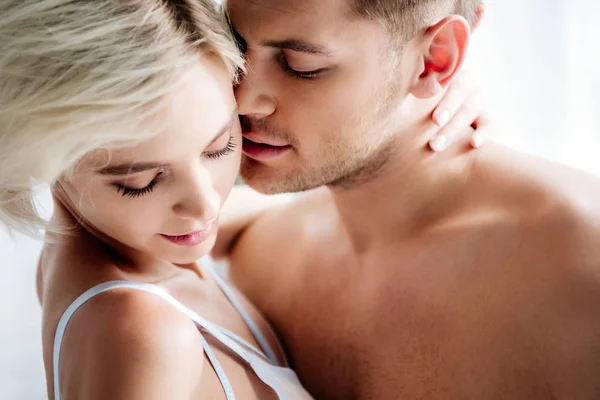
[{"x": 280, "y": 378}]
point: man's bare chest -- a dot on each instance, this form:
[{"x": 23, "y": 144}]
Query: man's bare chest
[{"x": 391, "y": 334}]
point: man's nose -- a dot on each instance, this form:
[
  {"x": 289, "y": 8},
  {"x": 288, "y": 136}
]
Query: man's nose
[{"x": 254, "y": 94}]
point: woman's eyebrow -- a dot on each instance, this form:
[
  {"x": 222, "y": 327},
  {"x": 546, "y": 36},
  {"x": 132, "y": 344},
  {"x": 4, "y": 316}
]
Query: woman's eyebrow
[
  {"x": 129, "y": 168},
  {"x": 132, "y": 168}
]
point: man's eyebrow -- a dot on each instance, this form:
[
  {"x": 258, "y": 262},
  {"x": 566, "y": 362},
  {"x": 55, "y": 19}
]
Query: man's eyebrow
[
  {"x": 296, "y": 45},
  {"x": 131, "y": 168}
]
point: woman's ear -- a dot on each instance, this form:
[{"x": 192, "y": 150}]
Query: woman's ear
[{"x": 445, "y": 46}]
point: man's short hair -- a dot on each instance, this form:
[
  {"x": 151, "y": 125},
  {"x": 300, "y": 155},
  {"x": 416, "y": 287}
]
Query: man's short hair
[{"x": 406, "y": 18}]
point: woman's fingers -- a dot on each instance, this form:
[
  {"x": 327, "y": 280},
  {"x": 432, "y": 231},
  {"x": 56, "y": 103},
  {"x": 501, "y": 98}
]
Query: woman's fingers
[{"x": 469, "y": 114}]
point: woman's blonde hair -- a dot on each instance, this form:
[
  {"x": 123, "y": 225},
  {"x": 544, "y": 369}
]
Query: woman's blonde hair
[{"x": 79, "y": 75}]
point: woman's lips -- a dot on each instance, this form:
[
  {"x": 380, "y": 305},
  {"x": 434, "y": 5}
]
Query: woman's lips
[{"x": 190, "y": 239}]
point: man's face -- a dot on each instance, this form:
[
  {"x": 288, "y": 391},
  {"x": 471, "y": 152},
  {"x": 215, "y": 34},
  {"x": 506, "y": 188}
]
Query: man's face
[{"x": 320, "y": 100}]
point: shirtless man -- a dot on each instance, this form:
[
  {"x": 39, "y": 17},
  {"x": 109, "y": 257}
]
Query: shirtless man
[{"x": 406, "y": 274}]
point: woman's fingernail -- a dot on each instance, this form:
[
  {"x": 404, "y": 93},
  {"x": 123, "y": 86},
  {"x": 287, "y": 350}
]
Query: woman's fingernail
[
  {"x": 442, "y": 117},
  {"x": 439, "y": 143},
  {"x": 476, "y": 141}
]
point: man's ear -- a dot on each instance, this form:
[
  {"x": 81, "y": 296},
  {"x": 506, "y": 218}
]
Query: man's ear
[{"x": 445, "y": 44}]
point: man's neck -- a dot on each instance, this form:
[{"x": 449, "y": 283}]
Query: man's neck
[{"x": 413, "y": 190}]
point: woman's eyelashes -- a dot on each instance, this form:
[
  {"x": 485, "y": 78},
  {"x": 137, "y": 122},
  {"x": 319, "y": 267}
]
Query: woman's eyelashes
[
  {"x": 229, "y": 147},
  {"x": 127, "y": 191}
]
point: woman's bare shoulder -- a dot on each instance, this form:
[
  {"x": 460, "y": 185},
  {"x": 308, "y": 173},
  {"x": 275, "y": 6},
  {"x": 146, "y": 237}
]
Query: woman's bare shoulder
[{"x": 130, "y": 344}]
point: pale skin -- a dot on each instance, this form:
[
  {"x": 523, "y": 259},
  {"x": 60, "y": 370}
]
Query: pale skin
[
  {"x": 128, "y": 344},
  {"x": 460, "y": 275}
]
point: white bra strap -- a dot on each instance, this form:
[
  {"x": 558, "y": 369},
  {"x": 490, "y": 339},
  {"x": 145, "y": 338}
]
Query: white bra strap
[
  {"x": 258, "y": 335},
  {"x": 206, "y": 325},
  {"x": 229, "y": 395}
]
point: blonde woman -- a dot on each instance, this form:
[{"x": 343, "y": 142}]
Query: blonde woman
[{"x": 126, "y": 108}]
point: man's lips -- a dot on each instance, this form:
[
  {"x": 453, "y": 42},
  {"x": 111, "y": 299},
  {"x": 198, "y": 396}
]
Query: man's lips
[
  {"x": 260, "y": 148},
  {"x": 262, "y": 139}
]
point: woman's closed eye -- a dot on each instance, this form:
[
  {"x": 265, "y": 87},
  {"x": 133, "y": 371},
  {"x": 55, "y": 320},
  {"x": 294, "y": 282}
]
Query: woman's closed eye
[
  {"x": 127, "y": 190},
  {"x": 134, "y": 186},
  {"x": 224, "y": 145}
]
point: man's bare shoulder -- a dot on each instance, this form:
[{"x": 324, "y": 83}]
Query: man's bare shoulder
[
  {"x": 274, "y": 246},
  {"x": 556, "y": 205},
  {"x": 529, "y": 181},
  {"x": 535, "y": 224}
]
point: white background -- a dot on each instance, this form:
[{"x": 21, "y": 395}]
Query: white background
[{"x": 540, "y": 63}]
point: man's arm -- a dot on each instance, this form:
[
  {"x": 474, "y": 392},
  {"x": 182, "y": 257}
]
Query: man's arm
[
  {"x": 266, "y": 261},
  {"x": 242, "y": 208}
]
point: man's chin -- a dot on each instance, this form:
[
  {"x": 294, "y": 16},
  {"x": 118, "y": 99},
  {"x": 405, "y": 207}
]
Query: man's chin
[
  {"x": 263, "y": 179},
  {"x": 270, "y": 180}
]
